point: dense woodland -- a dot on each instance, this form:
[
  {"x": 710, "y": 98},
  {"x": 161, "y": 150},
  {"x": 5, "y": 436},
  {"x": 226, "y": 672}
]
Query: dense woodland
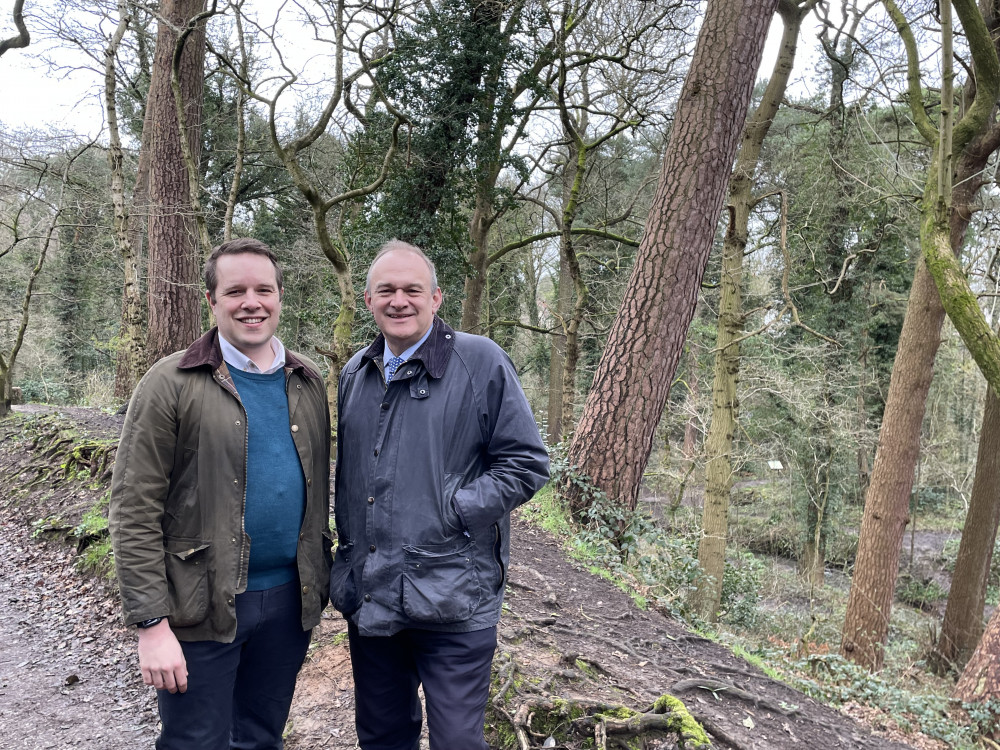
[{"x": 753, "y": 314}]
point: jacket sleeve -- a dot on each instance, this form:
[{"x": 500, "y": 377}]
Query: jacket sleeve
[
  {"x": 518, "y": 461},
  {"x": 139, "y": 488}
]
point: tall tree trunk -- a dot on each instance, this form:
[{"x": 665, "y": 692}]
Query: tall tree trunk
[
  {"x": 963, "y": 617},
  {"x": 130, "y": 358},
  {"x": 725, "y": 403},
  {"x": 174, "y": 262},
  {"x": 866, "y": 622},
  {"x": 615, "y": 435}
]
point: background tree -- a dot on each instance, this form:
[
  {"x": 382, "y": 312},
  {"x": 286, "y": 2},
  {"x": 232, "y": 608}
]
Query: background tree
[
  {"x": 614, "y": 438},
  {"x": 944, "y": 217},
  {"x": 719, "y": 443},
  {"x": 174, "y": 258},
  {"x": 23, "y": 37}
]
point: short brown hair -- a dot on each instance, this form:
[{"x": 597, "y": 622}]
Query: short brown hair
[{"x": 238, "y": 247}]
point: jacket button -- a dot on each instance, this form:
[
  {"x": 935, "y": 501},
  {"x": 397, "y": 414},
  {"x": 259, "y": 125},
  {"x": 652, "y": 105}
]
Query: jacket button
[
  {"x": 298, "y": 386},
  {"x": 371, "y": 548},
  {"x": 409, "y": 372},
  {"x": 295, "y": 428},
  {"x": 234, "y": 540},
  {"x": 423, "y": 392},
  {"x": 237, "y": 423},
  {"x": 309, "y": 482},
  {"x": 229, "y": 601},
  {"x": 368, "y": 597},
  {"x": 371, "y": 501},
  {"x": 385, "y": 404},
  {"x": 305, "y": 589},
  {"x": 376, "y": 451},
  {"x": 447, "y": 335},
  {"x": 302, "y": 535},
  {"x": 236, "y": 481}
]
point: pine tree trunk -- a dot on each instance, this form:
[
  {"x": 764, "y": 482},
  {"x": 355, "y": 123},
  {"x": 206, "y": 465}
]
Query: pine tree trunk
[
  {"x": 866, "y": 623},
  {"x": 615, "y": 434},
  {"x": 980, "y": 680},
  {"x": 174, "y": 262},
  {"x": 963, "y": 616}
]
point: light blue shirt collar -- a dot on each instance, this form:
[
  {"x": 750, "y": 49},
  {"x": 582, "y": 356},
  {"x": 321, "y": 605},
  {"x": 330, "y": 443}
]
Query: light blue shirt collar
[
  {"x": 407, "y": 353},
  {"x": 235, "y": 358}
]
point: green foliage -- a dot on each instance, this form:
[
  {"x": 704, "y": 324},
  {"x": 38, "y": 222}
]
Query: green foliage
[
  {"x": 922, "y": 594},
  {"x": 836, "y": 681},
  {"x": 741, "y": 583},
  {"x": 644, "y": 560}
]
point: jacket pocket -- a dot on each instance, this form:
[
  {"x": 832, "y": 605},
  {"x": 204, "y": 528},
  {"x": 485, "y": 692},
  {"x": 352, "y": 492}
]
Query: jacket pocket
[
  {"x": 187, "y": 580},
  {"x": 343, "y": 590},
  {"x": 440, "y": 585}
]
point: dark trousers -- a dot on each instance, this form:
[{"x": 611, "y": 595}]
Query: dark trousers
[
  {"x": 454, "y": 669},
  {"x": 239, "y": 693}
]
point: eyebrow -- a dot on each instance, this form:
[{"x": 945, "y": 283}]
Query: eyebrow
[{"x": 408, "y": 285}]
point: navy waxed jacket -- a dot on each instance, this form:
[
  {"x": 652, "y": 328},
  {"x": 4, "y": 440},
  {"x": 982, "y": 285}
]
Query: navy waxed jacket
[{"x": 428, "y": 471}]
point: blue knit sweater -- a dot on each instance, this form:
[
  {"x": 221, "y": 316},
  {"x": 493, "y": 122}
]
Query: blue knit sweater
[{"x": 276, "y": 490}]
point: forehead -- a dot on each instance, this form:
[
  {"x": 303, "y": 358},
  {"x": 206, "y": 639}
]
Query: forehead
[
  {"x": 400, "y": 267},
  {"x": 245, "y": 269}
]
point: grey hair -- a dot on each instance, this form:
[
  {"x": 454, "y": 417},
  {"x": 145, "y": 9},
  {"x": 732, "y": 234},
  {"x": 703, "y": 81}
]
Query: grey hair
[{"x": 393, "y": 246}]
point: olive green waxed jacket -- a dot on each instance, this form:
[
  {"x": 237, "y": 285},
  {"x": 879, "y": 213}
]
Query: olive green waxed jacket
[{"x": 178, "y": 493}]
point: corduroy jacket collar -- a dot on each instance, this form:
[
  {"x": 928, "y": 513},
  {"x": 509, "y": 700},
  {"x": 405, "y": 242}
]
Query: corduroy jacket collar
[
  {"x": 206, "y": 351},
  {"x": 434, "y": 352}
]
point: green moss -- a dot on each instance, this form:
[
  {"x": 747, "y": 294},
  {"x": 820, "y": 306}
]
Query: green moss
[
  {"x": 619, "y": 712},
  {"x": 689, "y": 732}
]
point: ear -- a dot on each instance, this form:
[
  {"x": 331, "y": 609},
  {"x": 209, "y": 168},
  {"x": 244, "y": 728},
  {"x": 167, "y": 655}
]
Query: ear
[
  {"x": 211, "y": 304},
  {"x": 368, "y": 301},
  {"x": 436, "y": 299}
]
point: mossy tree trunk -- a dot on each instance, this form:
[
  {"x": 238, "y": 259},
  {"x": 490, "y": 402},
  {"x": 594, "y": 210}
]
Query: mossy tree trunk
[
  {"x": 130, "y": 359},
  {"x": 937, "y": 286},
  {"x": 725, "y": 402}
]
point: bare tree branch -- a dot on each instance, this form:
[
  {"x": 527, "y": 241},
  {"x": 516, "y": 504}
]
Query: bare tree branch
[{"x": 23, "y": 38}]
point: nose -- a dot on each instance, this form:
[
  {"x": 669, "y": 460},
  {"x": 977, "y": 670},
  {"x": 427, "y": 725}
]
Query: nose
[
  {"x": 398, "y": 298},
  {"x": 250, "y": 300}
]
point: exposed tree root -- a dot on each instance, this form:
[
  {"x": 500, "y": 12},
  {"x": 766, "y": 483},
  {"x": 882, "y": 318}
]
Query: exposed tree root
[
  {"x": 731, "y": 690},
  {"x": 609, "y": 726}
]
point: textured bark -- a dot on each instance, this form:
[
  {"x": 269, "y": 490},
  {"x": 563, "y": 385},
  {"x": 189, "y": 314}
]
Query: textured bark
[
  {"x": 866, "y": 622},
  {"x": 963, "y": 617},
  {"x": 725, "y": 403},
  {"x": 130, "y": 357},
  {"x": 615, "y": 435},
  {"x": 174, "y": 262},
  {"x": 980, "y": 681}
]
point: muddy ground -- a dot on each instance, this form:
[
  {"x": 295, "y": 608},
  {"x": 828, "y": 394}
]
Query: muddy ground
[{"x": 68, "y": 674}]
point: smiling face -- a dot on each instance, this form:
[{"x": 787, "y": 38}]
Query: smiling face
[
  {"x": 247, "y": 303},
  {"x": 401, "y": 298}
]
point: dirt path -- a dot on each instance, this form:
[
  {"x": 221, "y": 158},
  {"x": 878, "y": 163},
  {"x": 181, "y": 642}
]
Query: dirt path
[{"x": 68, "y": 675}]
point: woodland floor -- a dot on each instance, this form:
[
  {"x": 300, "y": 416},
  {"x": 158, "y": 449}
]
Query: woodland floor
[{"x": 68, "y": 673}]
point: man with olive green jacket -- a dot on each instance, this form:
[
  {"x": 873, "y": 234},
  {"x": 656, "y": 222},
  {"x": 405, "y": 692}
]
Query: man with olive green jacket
[{"x": 219, "y": 516}]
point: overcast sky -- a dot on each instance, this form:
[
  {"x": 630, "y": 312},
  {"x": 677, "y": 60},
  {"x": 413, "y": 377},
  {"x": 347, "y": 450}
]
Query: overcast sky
[{"x": 71, "y": 101}]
